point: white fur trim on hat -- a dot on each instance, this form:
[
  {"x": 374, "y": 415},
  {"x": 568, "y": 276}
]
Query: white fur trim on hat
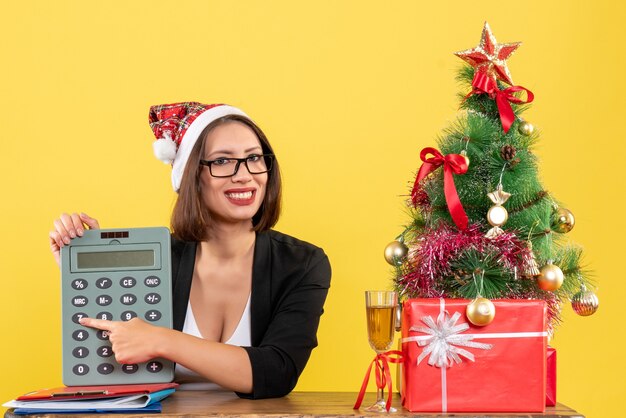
[
  {"x": 165, "y": 148},
  {"x": 191, "y": 136}
]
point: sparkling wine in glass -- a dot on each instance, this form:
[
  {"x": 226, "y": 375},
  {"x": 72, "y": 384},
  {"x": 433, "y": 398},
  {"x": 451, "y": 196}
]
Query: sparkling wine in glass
[{"x": 380, "y": 307}]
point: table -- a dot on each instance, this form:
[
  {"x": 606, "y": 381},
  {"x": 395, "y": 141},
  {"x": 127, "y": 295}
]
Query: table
[{"x": 189, "y": 404}]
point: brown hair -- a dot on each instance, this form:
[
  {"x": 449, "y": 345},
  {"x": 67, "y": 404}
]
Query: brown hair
[{"x": 191, "y": 218}]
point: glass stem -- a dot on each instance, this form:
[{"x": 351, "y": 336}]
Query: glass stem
[{"x": 380, "y": 395}]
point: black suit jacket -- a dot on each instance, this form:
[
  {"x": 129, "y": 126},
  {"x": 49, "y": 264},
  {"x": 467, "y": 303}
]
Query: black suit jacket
[{"x": 290, "y": 281}]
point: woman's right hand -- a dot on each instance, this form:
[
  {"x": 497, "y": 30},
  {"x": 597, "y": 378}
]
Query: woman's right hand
[{"x": 66, "y": 228}]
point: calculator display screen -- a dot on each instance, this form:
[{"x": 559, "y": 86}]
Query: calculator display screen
[{"x": 110, "y": 259}]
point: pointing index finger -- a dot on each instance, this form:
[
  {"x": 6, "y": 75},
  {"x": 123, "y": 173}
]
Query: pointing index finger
[{"x": 97, "y": 323}]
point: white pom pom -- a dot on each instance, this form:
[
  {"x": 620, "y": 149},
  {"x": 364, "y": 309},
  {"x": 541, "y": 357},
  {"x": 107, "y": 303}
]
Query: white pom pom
[{"x": 165, "y": 148}]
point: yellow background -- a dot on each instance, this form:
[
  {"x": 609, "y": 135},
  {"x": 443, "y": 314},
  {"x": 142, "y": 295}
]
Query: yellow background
[{"x": 348, "y": 93}]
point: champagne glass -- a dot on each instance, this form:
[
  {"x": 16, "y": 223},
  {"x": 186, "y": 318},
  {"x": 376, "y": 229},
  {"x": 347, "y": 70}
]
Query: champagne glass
[{"x": 380, "y": 307}]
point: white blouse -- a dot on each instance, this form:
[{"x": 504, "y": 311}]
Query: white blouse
[{"x": 190, "y": 380}]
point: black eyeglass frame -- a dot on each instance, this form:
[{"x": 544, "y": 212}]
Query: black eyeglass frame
[{"x": 269, "y": 160}]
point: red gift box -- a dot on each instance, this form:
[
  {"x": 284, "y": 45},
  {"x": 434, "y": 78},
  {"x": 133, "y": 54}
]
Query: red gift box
[
  {"x": 500, "y": 367},
  {"x": 551, "y": 377}
]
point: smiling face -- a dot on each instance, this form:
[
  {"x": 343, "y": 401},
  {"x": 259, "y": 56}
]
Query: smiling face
[
  {"x": 233, "y": 199},
  {"x": 205, "y": 202}
]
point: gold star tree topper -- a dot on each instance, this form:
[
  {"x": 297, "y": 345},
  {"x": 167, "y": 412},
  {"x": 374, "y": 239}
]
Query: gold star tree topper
[{"x": 490, "y": 57}]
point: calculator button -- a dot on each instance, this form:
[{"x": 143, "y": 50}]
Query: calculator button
[
  {"x": 79, "y": 284},
  {"x": 80, "y": 335},
  {"x": 128, "y": 315},
  {"x": 80, "y": 352},
  {"x": 154, "y": 367},
  {"x": 80, "y": 369},
  {"x": 128, "y": 282},
  {"x": 104, "y": 300},
  {"x": 128, "y": 299},
  {"x": 105, "y": 368},
  {"x": 103, "y": 283},
  {"x": 104, "y": 351},
  {"x": 107, "y": 316},
  {"x": 77, "y": 316},
  {"x": 102, "y": 335},
  {"x": 79, "y": 301},
  {"x": 129, "y": 368},
  {"x": 152, "y": 281},
  {"x": 152, "y": 298},
  {"x": 153, "y": 315}
]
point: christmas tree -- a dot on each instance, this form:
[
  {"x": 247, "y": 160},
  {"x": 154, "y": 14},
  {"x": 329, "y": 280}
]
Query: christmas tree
[{"x": 482, "y": 224}]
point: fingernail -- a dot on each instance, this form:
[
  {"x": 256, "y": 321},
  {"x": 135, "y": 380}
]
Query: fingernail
[
  {"x": 66, "y": 240},
  {"x": 72, "y": 234},
  {"x": 80, "y": 232}
]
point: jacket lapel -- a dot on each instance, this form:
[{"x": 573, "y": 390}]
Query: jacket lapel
[
  {"x": 260, "y": 300},
  {"x": 182, "y": 284}
]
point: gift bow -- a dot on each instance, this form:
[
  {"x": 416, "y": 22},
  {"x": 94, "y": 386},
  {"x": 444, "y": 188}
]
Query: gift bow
[
  {"x": 482, "y": 83},
  {"x": 444, "y": 337},
  {"x": 452, "y": 164},
  {"x": 383, "y": 375}
]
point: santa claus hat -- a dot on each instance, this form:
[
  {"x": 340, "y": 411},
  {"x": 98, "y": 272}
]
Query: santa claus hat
[{"x": 177, "y": 127}]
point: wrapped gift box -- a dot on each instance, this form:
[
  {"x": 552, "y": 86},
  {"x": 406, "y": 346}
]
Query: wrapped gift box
[
  {"x": 551, "y": 377},
  {"x": 508, "y": 371}
]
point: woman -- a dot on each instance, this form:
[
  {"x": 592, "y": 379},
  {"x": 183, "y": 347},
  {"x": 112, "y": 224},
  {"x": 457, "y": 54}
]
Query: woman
[{"x": 247, "y": 299}]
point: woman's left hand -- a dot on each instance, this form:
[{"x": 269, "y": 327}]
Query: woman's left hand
[{"x": 133, "y": 341}]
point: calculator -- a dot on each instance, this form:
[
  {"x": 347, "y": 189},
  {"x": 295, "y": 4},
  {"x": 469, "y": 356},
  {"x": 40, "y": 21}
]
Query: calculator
[{"x": 114, "y": 274}]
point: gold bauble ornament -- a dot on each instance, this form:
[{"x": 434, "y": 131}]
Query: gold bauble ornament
[
  {"x": 395, "y": 253},
  {"x": 550, "y": 277},
  {"x": 480, "y": 311},
  {"x": 585, "y": 302},
  {"x": 562, "y": 221},
  {"x": 526, "y": 128}
]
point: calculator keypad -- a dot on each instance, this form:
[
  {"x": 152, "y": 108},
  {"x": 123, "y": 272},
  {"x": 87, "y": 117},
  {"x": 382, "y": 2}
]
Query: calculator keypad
[{"x": 134, "y": 292}]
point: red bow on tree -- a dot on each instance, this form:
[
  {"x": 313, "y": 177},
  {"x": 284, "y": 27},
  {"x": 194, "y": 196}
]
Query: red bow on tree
[
  {"x": 482, "y": 83},
  {"x": 452, "y": 164}
]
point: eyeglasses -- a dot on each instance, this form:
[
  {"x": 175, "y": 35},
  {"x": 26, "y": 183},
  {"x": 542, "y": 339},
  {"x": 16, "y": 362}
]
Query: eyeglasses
[{"x": 228, "y": 167}]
